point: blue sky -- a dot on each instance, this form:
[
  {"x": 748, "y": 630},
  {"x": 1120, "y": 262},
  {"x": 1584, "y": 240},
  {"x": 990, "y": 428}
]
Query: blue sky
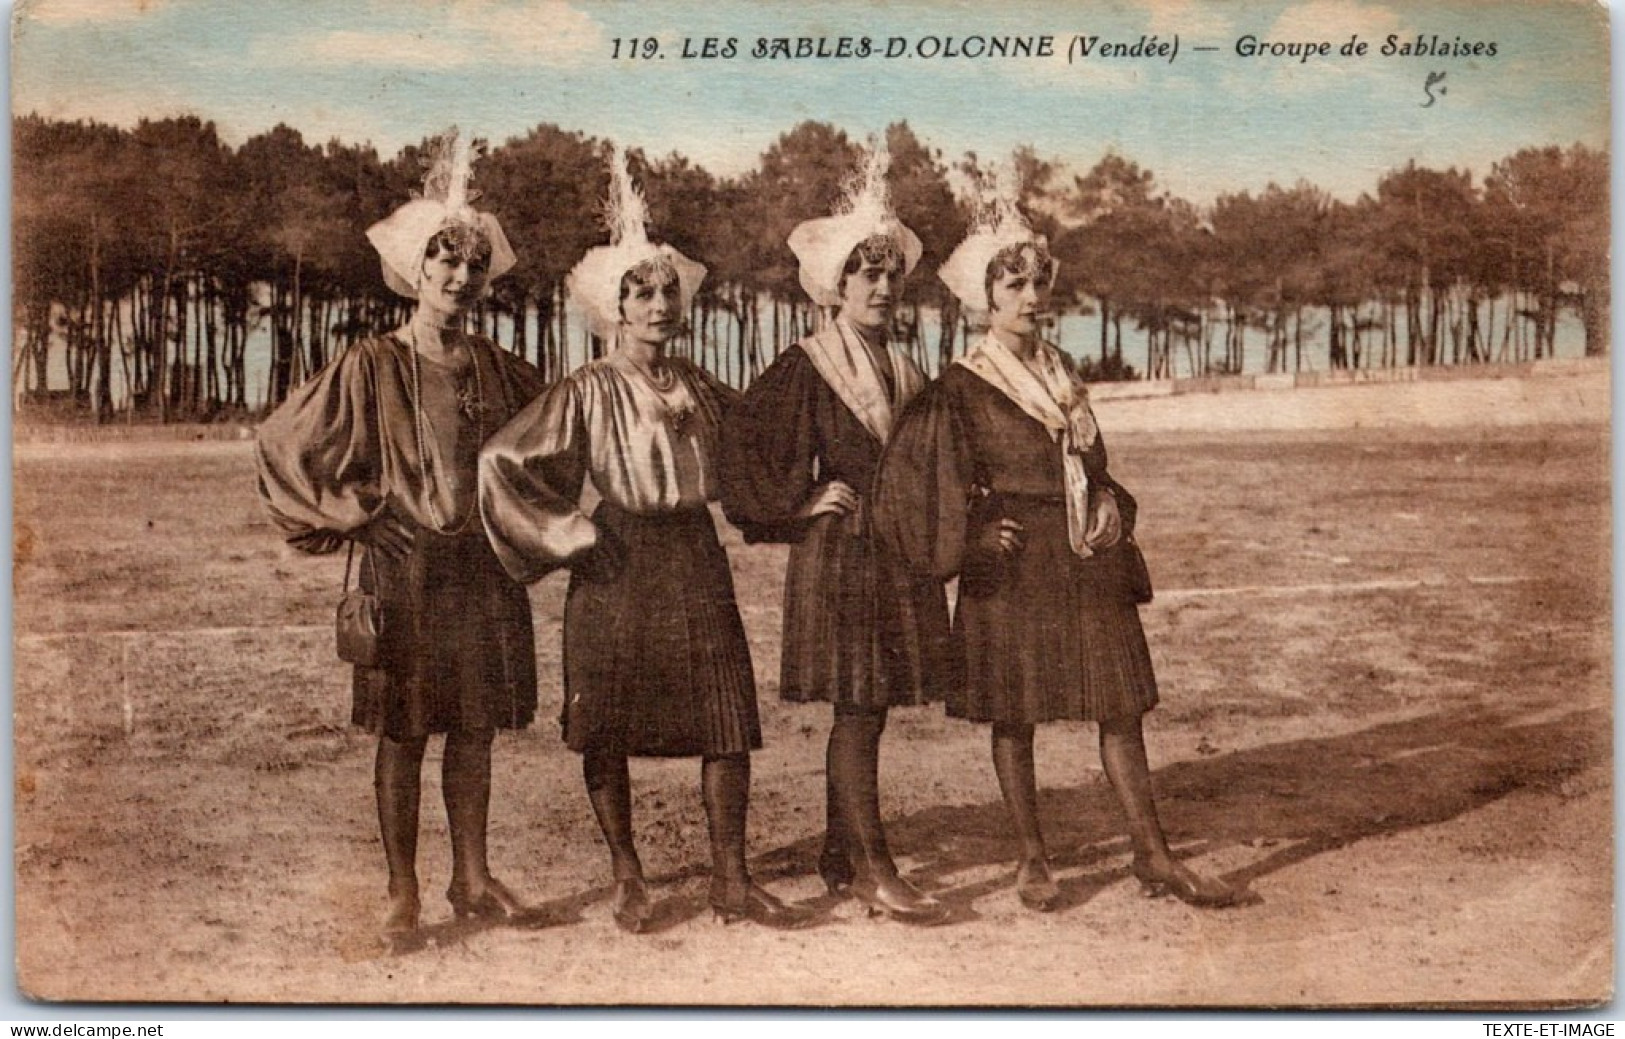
[{"x": 393, "y": 71}]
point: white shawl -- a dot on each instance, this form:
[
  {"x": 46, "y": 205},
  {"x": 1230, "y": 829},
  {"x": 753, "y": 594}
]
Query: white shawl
[
  {"x": 1046, "y": 392},
  {"x": 843, "y": 360}
]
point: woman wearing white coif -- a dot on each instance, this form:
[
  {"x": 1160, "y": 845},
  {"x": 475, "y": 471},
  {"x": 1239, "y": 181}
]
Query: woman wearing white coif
[
  {"x": 379, "y": 448},
  {"x": 997, "y": 475},
  {"x": 798, "y": 459},
  {"x": 655, "y": 659}
]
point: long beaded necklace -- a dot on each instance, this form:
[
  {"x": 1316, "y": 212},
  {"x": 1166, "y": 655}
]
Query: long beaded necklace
[
  {"x": 678, "y": 418},
  {"x": 476, "y": 406}
]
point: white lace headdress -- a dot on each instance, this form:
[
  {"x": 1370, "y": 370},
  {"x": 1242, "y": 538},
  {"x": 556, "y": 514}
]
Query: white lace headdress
[
  {"x": 823, "y": 245},
  {"x": 446, "y": 203},
  {"x": 996, "y": 226},
  {"x": 595, "y": 283}
]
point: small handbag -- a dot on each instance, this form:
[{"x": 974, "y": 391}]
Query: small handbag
[
  {"x": 1131, "y": 578},
  {"x": 359, "y": 624},
  {"x": 1136, "y": 575}
]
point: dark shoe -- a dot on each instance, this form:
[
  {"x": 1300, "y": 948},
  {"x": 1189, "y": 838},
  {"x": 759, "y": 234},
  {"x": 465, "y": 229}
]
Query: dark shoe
[
  {"x": 1183, "y": 884},
  {"x": 631, "y": 907},
  {"x": 835, "y": 867},
  {"x": 747, "y": 900},
  {"x": 495, "y": 902},
  {"x": 1036, "y": 888},
  {"x": 899, "y": 900}
]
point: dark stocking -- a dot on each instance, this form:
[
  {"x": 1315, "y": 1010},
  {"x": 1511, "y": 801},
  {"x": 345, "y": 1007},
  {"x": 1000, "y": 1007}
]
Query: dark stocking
[
  {"x": 835, "y": 861},
  {"x": 1013, "y": 763},
  {"x": 396, "y": 781},
  {"x": 1122, "y": 753},
  {"x": 854, "y": 783},
  {"x": 725, "y": 784},
  {"x": 852, "y": 767},
  {"x": 609, "y": 787},
  {"x": 465, "y": 782}
]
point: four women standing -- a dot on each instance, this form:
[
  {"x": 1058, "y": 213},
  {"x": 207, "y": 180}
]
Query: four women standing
[{"x": 995, "y": 474}]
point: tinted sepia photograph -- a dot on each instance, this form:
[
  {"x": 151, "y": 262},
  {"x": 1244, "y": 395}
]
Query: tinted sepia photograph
[{"x": 836, "y": 504}]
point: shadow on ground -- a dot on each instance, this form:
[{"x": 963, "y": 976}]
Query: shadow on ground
[{"x": 1303, "y": 797}]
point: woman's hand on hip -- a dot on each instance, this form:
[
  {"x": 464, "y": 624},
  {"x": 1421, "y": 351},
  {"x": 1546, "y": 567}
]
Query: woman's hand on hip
[
  {"x": 388, "y": 534},
  {"x": 601, "y": 561},
  {"x": 833, "y": 497},
  {"x": 1105, "y": 521},
  {"x": 1002, "y": 537}
]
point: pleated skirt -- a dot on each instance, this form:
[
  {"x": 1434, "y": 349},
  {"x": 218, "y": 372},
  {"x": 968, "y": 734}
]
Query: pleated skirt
[
  {"x": 655, "y": 659},
  {"x": 1048, "y": 635},
  {"x": 457, "y": 652},
  {"x": 858, "y": 628}
]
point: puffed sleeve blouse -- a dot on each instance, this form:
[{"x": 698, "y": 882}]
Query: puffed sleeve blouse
[
  {"x": 645, "y": 451},
  {"x": 345, "y": 444}
]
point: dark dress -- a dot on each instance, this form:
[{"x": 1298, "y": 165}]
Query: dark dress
[
  {"x": 655, "y": 658},
  {"x": 1045, "y": 634},
  {"x": 858, "y": 627},
  {"x": 457, "y": 652}
]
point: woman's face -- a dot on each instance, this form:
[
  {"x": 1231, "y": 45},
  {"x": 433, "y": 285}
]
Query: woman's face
[
  {"x": 869, "y": 294},
  {"x": 651, "y": 309},
  {"x": 1019, "y": 301},
  {"x": 452, "y": 283}
]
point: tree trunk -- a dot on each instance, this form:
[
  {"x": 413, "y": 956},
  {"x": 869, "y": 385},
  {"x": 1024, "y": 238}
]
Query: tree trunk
[
  {"x": 1594, "y": 316},
  {"x": 102, "y": 398},
  {"x": 563, "y": 366},
  {"x": 1105, "y": 321},
  {"x": 1297, "y": 339},
  {"x": 162, "y": 338}
]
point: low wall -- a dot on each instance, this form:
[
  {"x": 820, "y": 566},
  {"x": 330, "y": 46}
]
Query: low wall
[
  {"x": 1549, "y": 393},
  {"x": 1102, "y": 391}
]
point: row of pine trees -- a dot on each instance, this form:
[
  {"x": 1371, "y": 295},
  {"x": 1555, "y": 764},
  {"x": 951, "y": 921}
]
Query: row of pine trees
[{"x": 146, "y": 258}]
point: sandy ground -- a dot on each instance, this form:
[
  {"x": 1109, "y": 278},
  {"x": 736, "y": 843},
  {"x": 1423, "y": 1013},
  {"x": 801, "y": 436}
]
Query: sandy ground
[{"x": 1382, "y": 632}]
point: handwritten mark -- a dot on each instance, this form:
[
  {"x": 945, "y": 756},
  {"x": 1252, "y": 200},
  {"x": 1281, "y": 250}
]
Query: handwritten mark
[{"x": 1434, "y": 77}]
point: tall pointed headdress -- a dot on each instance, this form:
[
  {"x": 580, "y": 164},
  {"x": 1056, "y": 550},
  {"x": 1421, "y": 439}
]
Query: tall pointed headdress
[
  {"x": 823, "y": 245},
  {"x": 996, "y": 226},
  {"x": 403, "y": 237},
  {"x": 595, "y": 283}
]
